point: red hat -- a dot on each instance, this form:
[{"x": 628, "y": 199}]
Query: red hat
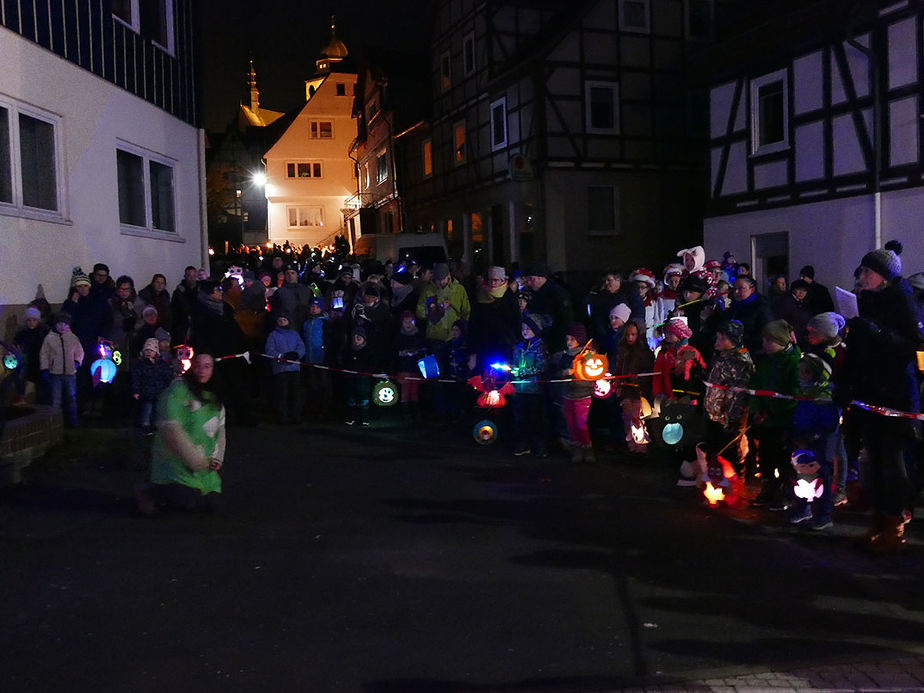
[
  {"x": 643, "y": 274},
  {"x": 713, "y": 264}
]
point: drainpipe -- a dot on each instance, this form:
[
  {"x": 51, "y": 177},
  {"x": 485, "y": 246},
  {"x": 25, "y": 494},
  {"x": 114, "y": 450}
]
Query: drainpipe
[
  {"x": 870, "y": 55},
  {"x": 203, "y": 203}
]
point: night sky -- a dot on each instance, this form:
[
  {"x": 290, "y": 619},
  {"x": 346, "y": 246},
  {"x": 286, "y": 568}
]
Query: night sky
[{"x": 283, "y": 39}]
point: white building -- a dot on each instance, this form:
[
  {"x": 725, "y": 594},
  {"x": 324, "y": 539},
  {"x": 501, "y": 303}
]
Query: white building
[
  {"x": 815, "y": 139},
  {"x": 309, "y": 174},
  {"x": 100, "y": 156}
]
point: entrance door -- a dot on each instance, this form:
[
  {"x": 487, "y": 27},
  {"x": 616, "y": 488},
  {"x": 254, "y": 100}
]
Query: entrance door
[{"x": 770, "y": 255}]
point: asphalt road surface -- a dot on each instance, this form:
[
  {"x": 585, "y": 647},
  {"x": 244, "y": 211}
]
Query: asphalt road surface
[{"x": 399, "y": 559}]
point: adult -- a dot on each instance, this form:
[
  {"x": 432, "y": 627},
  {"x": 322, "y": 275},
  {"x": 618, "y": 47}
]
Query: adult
[
  {"x": 880, "y": 370},
  {"x": 374, "y": 316},
  {"x": 156, "y": 294},
  {"x": 750, "y": 309},
  {"x": 91, "y": 322},
  {"x": 691, "y": 306},
  {"x": 441, "y": 303},
  {"x": 818, "y": 298},
  {"x": 794, "y": 309},
  {"x": 189, "y": 447},
  {"x": 182, "y": 306},
  {"x": 645, "y": 283},
  {"x": 611, "y": 293},
  {"x": 404, "y": 294},
  {"x": 494, "y": 327},
  {"x": 292, "y": 298},
  {"x": 102, "y": 282},
  {"x": 125, "y": 318}
]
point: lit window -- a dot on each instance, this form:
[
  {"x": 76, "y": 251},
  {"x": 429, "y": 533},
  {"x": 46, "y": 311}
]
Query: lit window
[
  {"x": 601, "y": 209},
  {"x": 153, "y": 19},
  {"x": 147, "y": 191},
  {"x": 468, "y": 54},
  {"x": 601, "y": 103},
  {"x": 303, "y": 169},
  {"x": 427, "y": 158},
  {"x": 459, "y": 141},
  {"x": 445, "y": 71},
  {"x": 29, "y": 159},
  {"x": 499, "y": 124},
  {"x": 634, "y": 15},
  {"x": 305, "y": 217},
  {"x": 322, "y": 129},
  {"x": 381, "y": 167},
  {"x": 769, "y": 113}
]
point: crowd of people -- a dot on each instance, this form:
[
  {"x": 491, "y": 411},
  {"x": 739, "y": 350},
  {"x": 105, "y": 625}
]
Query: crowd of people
[{"x": 311, "y": 334}]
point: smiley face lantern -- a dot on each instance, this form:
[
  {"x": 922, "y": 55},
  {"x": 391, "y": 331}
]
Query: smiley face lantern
[
  {"x": 385, "y": 393},
  {"x": 808, "y": 484}
]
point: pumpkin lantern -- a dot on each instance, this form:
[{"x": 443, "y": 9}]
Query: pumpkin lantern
[{"x": 589, "y": 365}]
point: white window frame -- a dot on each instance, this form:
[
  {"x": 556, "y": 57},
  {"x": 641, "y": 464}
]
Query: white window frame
[
  {"x": 17, "y": 207},
  {"x": 147, "y": 157},
  {"x": 314, "y": 129},
  {"x": 757, "y": 148},
  {"x": 311, "y": 164},
  {"x": 468, "y": 47},
  {"x": 135, "y": 24},
  {"x": 614, "y": 88},
  {"x": 445, "y": 76},
  {"x": 381, "y": 174},
  {"x": 426, "y": 158},
  {"x": 459, "y": 158},
  {"x": 502, "y": 104},
  {"x": 688, "y": 4},
  {"x": 646, "y": 29},
  {"x": 604, "y": 232},
  {"x": 298, "y": 209}
]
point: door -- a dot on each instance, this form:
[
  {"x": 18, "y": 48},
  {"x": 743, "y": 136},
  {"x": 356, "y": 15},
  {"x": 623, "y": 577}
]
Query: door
[{"x": 769, "y": 256}]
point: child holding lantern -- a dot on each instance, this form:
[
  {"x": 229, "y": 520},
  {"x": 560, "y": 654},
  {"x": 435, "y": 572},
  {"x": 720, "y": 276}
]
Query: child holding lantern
[
  {"x": 529, "y": 362},
  {"x": 576, "y": 394}
]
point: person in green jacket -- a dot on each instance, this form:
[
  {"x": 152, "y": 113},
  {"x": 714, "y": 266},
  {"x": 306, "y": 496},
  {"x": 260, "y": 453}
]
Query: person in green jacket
[
  {"x": 189, "y": 447},
  {"x": 777, "y": 369}
]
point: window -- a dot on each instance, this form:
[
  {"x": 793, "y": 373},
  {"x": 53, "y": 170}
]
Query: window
[
  {"x": 634, "y": 15},
  {"x": 341, "y": 89},
  {"x": 305, "y": 217},
  {"x": 699, "y": 19},
  {"x": 601, "y": 105},
  {"x": 381, "y": 167},
  {"x": 322, "y": 129},
  {"x": 769, "y": 113},
  {"x": 459, "y": 141},
  {"x": 153, "y": 19},
  {"x": 445, "y": 71},
  {"x": 601, "y": 209},
  {"x": 303, "y": 169},
  {"x": 29, "y": 159},
  {"x": 468, "y": 54},
  {"x": 499, "y": 124},
  {"x": 427, "y": 156},
  {"x": 147, "y": 197}
]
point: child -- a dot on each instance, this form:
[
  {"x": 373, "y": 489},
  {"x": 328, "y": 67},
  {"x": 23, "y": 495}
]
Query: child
[
  {"x": 284, "y": 345},
  {"x": 358, "y": 357},
  {"x": 814, "y": 430},
  {"x": 459, "y": 353},
  {"x": 726, "y": 410},
  {"x": 771, "y": 418},
  {"x": 150, "y": 376},
  {"x": 645, "y": 282},
  {"x": 410, "y": 346},
  {"x": 679, "y": 365},
  {"x": 576, "y": 394},
  {"x": 59, "y": 359},
  {"x": 633, "y": 356},
  {"x": 529, "y": 362},
  {"x": 619, "y": 316},
  {"x": 28, "y": 341},
  {"x": 316, "y": 335}
]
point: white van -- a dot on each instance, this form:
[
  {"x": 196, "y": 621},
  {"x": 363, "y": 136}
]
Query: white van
[{"x": 422, "y": 248}]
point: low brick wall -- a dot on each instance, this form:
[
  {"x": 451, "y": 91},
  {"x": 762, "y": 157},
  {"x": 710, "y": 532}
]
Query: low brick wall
[{"x": 27, "y": 437}]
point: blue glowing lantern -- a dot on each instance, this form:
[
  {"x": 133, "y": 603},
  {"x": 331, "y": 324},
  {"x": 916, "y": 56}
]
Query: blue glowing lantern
[
  {"x": 385, "y": 393},
  {"x": 485, "y": 432},
  {"x": 103, "y": 371},
  {"x": 10, "y": 362},
  {"x": 428, "y": 366}
]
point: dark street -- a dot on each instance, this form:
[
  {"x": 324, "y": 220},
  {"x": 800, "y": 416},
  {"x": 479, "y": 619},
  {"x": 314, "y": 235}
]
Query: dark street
[{"x": 394, "y": 559}]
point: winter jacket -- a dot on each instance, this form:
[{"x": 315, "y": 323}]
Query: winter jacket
[
  {"x": 780, "y": 373},
  {"x": 530, "y": 360},
  {"x": 30, "y": 343},
  {"x": 635, "y": 359},
  {"x": 409, "y": 349},
  {"x": 60, "y": 352},
  {"x": 495, "y": 326},
  {"x": 560, "y": 366},
  {"x": 150, "y": 379},
  {"x": 160, "y": 301},
  {"x": 279, "y": 344},
  {"x": 314, "y": 334},
  {"x": 731, "y": 368},
  {"x": 459, "y": 308}
]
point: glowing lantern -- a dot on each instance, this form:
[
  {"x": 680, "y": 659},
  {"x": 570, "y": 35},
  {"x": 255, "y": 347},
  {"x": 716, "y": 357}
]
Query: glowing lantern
[
  {"x": 103, "y": 371},
  {"x": 809, "y": 490},
  {"x": 10, "y": 362},
  {"x": 589, "y": 365},
  {"x": 675, "y": 424},
  {"x": 385, "y": 393},
  {"x": 713, "y": 494},
  {"x": 429, "y": 368},
  {"x": 485, "y": 432},
  {"x": 672, "y": 433},
  {"x": 184, "y": 354},
  {"x": 492, "y": 396},
  {"x": 603, "y": 388},
  {"x": 808, "y": 485},
  {"x": 117, "y": 357}
]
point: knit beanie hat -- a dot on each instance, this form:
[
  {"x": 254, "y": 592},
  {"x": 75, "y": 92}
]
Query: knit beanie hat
[
  {"x": 579, "y": 332},
  {"x": 883, "y": 262},
  {"x": 462, "y": 325},
  {"x": 149, "y": 310},
  {"x": 828, "y": 324},
  {"x": 150, "y": 344},
  {"x": 33, "y": 312},
  {"x": 820, "y": 364},
  {"x": 78, "y": 277},
  {"x": 440, "y": 271},
  {"x": 777, "y": 331},
  {"x": 807, "y": 271},
  {"x": 161, "y": 335},
  {"x": 734, "y": 330},
  {"x": 622, "y": 311},
  {"x": 534, "y": 322},
  {"x": 679, "y": 328}
]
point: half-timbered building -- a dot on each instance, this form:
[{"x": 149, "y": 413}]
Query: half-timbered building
[
  {"x": 101, "y": 157},
  {"x": 561, "y": 131},
  {"x": 815, "y": 137}
]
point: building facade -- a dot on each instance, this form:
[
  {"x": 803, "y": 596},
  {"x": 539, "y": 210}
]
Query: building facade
[
  {"x": 562, "y": 133},
  {"x": 815, "y": 138},
  {"x": 309, "y": 173},
  {"x": 101, "y": 157}
]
